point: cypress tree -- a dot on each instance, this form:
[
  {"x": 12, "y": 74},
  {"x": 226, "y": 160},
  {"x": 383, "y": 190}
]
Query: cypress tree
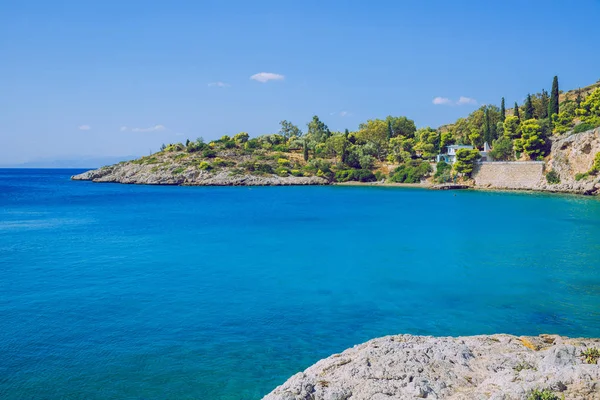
[
  {"x": 390, "y": 132},
  {"x": 578, "y": 99},
  {"x": 553, "y": 105},
  {"x": 528, "y": 108},
  {"x": 305, "y": 152},
  {"x": 517, "y": 111},
  {"x": 487, "y": 130},
  {"x": 345, "y": 147},
  {"x": 502, "y": 110}
]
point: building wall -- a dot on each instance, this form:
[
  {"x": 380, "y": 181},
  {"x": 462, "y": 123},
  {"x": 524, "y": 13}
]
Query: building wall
[{"x": 509, "y": 175}]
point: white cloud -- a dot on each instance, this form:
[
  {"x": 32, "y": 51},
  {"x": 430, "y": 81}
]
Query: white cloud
[
  {"x": 267, "y": 76},
  {"x": 219, "y": 84},
  {"x": 442, "y": 100},
  {"x": 84, "y": 127},
  {"x": 342, "y": 113},
  {"x": 447, "y": 102},
  {"x": 466, "y": 100},
  {"x": 149, "y": 129}
]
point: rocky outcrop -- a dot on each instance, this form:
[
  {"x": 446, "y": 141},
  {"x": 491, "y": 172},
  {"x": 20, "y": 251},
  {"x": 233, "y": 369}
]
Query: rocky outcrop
[
  {"x": 149, "y": 174},
  {"x": 571, "y": 154},
  {"x": 476, "y": 367}
]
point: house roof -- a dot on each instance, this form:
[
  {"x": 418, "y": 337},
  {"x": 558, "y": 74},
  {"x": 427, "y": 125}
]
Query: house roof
[{"x": 460, "y": 146}]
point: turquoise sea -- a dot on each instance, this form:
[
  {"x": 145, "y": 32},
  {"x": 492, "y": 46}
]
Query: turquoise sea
[{"x": 137, "y": 292}]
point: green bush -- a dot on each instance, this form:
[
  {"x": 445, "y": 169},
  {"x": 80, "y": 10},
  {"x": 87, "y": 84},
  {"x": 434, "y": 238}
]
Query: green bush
[
  {"x": 581, "y": 176},
  {"x": 360, "y": 175},
  {"x": 281, "y": 147},
  {"x": 296, "y": 172},
  {"x": 591, "y": 355},
  {"x": 281, "y": 171},
  {"x": 209, "y": 153},
  {"x": 411, "y": 172},
  {"x": 542, "y": 395},
  {"x": 443, "y": 172},
  {"x": 283, "y": 162},
  {"x": 596, "y": 164},
  {"x": 263, "y": 168},
  {"x": 585, "y": 126},
  {"x": 552, "y": 177},
  {"x": 219, "y": 162},
  {"x": 204, "y": 165},
  {"x": 178, "y": 171}
]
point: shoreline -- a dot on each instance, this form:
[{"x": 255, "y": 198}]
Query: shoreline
[{"x": 464, "y": 367}]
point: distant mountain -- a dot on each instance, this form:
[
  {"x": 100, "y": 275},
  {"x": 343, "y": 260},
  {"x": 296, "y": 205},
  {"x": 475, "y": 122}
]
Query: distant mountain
[{"x": 90, "y": 162}]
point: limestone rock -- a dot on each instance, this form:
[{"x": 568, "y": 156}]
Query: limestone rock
[{"x": 502, "y": 367}]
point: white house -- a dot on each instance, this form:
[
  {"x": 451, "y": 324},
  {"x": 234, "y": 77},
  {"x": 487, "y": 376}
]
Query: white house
[{"x": 450, "y": 156}]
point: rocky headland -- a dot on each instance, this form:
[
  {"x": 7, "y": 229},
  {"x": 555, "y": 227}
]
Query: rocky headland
[{"x": 499, "y": 367}]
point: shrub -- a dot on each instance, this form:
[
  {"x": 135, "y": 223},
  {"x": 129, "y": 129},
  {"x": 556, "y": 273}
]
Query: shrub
[
  {"x": 209, "y": 153},
  {"x": 263, "y": 168},
  {"x": 282, "y": 171},
  {"x": 585, "y": 126},
  {"x": 219, "y": 162},
  {"x": 281, "y": 147},
  {"x": 296, "y": 172},
  {"x": 178, "y": 171},
  {"x": 443, "y": 172},
  {"x": 542, "y": 395},
  {"x": 596, "y": 164},
  {"x": 552, "y": 178},
  {"x": 591, "y": 355},
  {"x": 360, "y": 175},
  {"x": 581, "y": 176},
  {"x": 283, "y": 162},
  {"x": 411, "y": 172},
  {"x": 204, "y": 165}
]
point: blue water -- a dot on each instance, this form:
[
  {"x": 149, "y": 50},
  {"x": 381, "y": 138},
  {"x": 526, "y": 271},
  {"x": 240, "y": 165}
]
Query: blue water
[{"x": 138, "y": 292}]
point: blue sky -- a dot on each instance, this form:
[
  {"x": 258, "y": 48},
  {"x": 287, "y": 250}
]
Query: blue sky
[{"x": 118, "y": 78}]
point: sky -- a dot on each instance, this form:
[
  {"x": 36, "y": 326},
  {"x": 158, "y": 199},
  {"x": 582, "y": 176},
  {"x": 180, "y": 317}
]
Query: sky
[{"x": 106, "y": 78}]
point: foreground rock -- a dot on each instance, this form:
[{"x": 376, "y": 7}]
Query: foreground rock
[
  {"x": 148, "y": 174},
  {"x": 476, "y": 367}
]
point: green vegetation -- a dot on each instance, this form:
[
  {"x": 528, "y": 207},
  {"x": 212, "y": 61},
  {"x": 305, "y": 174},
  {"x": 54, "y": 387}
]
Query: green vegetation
[
  {"x": 465, "y": 161},
  {"x": 542, "y": 395},
  {"x": 552, "y": 177},
  {"x": 394, "y": 143},
  {"x": 591, "y": 355}
]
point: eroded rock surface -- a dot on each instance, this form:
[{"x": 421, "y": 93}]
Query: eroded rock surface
[{"x": 476, "y": 367}]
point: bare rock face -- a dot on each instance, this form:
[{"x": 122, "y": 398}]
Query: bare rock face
[
  {"x": 132, "y": 173},
  {"x": 573, "y": 155},
  {"x": 500, "y": 367}
]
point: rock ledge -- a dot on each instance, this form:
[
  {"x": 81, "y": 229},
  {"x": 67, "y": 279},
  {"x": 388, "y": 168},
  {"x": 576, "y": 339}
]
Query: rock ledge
[{"x": 473, "y": 367}]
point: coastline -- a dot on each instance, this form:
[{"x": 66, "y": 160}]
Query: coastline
[{"x": 496, "y": 366}]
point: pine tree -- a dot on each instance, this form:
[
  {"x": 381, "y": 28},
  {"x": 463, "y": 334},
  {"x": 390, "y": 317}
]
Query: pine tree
[
  {"x": 528, "y": 108},
  {"x": 516, "y": 113},
  {"x": 502, "y": 110},
  {"x": 553, "y": 105}
]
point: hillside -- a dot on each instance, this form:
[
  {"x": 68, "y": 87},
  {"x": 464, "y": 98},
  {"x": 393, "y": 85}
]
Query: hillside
[{"x": 390, "y": 150}]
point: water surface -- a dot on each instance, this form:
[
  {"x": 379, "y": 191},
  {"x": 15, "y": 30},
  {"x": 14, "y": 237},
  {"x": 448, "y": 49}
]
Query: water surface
[{"x": 113, "y": 291}]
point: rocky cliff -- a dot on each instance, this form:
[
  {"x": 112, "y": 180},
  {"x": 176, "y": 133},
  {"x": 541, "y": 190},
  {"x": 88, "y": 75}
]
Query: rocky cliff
[
  {"x": 570, "y": 155},
  {"x": 477, "y": 367}
]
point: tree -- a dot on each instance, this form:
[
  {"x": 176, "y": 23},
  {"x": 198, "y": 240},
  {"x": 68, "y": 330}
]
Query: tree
[
  {"x": 375, "y": 132},
  {"x": 241, "y": 138},
  {"x": 345, "y": 146},
  {"x": 553, "y": 104},
  {"x": 511, "y": 127},
  {"x": 428, "y": 142},
  {"x": 516, "y": 113},
  {"x": 563, "y": 121},
  {"x": 317, "y": 130},
  {"x": 487, "y": 129},
  {"x": 578, "y": 99},
  {"x": 540, "y": 105},
  {"x": 532, "y": 142},
  {"x": 289, "y": 130},
  {"x": 589, "y": 110},
  {"x": 305, "y": 150},
  {"x": 502, "y": 111},
  {"x": 402, "y": 126},
  {"x": 529, "y": 110},
  {"x": 465, "y": 161},
  {"x": 502, "y": 150},
  {"x": 390, "y": 131},
  {"x": 446, "y": 139}
]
